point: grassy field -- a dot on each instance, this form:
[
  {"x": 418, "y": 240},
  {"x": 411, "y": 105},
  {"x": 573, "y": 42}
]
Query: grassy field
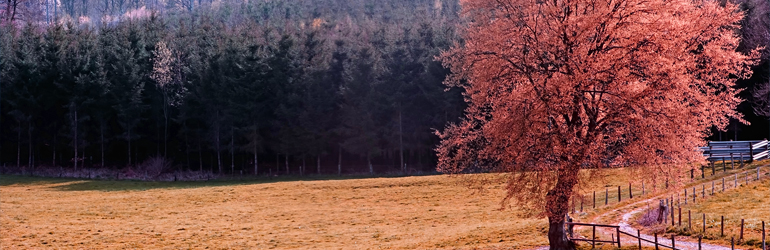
[
  {"x": 422, "y": 212},
  {"x": 410, "y": 212},
  {"x": 749, "y": 202}
]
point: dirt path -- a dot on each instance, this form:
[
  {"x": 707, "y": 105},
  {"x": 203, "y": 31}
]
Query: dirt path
[
  {"x": 632, "y": 209},
  {"x": 623, "y": 220},
  {"x": 682, "y": 243},
  {"x": 628, "y": 211}
]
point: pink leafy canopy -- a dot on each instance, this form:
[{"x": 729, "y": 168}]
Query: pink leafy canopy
[{"x": 554, "y": 86}]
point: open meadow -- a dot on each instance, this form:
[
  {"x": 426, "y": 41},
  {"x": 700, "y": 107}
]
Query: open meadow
[
  {"x": 418, "y": 212},
  {"x": 423, "y": 212}
]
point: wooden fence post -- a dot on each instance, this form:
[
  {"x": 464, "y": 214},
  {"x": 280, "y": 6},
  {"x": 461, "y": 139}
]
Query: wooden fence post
[
  {"x": 593, "y": 236},
  {"x": 700, "y": 238},
  {"x": 680, "y": 216},
  {"x": 685, "y": 196},
  {"x": 673, "y": 242},
  {"x": 672, "y": 213},
  {"x": 639, "y": 237},
  {"x": 703, "y": 191},
  {"x": 741, "y": 238},
  {"x": 764, "y": 243},
  {"x": 694, "y": 194},
  {"x": 723, "y": 184},
  {"x": 656, "y": 241},
  {"x": 630, "y": 193},
  {"x": 722, "y": 227},
  {"x": 606, "y": 195},
  {"x": 712, "y": 187},
  {"x": 732, "y": 161},
  {"x": 724, "y": 165},
  {"x": 689, "y": 220},
  {"x": 732, "y": 243},
  {"x": 581, "y": 203},
  {"x": 617, "y": 231},
  {"x": 704, "y": 223},
  {"x": 643, "y": 183},
  {"x": 594, "y": 199},
  {"x": 619, "y": 194}
]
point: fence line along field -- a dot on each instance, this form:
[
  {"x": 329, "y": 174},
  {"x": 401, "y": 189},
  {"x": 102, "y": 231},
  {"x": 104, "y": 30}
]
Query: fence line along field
[
  {"x": 409, "y": 212},
  {"x": 750, "y": 203}
]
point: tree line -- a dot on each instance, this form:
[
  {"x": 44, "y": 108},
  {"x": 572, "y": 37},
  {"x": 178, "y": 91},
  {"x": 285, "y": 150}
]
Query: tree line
[{"x": 241, "y": 88}]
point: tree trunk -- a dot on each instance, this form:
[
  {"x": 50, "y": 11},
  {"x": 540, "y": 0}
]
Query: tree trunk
[
  {"x": 75, "y": 144},
  {"x": 13, "y": 13},
  {"x": 339, "y": 160},
  {"x": 187, "y": 146},
  {"x": 157, "y": 138},
  {"x": 129, "y": 147},
  {"x": 29, "y": 140},
  {"x": 165, "y": 128},
  {"x": 557, "y": 236},
  {"x": 1, "y": 157},
  {"x": 256, "y": 164},
  {"x": 54, "y": 150},
  {"x": 401, "y": 141},
  {"x": 101, "y": 134},
  {"x": 369, "y": 162},
  {"x": 557, "y": 206},
  {"x": 200, "y": 157},
  {"x": 216, "y": 138},
  {"x": 18, "y": 149}
]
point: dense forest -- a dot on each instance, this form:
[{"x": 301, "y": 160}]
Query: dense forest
[
  {"x": 244, "y": 87},
  {"x": 264, "y": 87}
]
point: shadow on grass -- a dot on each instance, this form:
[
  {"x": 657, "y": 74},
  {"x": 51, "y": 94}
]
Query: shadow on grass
[{"x": 74, "y": 184}]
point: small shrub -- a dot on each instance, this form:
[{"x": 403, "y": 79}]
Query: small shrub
[
  {"x": 154, "y": 167},
  {"x": 649, "y": 218}
]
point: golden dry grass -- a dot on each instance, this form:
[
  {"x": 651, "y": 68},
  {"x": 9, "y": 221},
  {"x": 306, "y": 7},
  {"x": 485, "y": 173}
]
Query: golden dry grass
[
  {"x": 395, "y": 213},
  {"x": 749, "y": 202},
  {"x": 425, "y": 212}
]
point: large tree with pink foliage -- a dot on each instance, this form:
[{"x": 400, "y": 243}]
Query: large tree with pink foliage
[{"x": 555, "y": 86}]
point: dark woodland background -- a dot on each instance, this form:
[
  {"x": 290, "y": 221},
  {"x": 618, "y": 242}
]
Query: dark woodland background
[{"x": 273, "y": 86}]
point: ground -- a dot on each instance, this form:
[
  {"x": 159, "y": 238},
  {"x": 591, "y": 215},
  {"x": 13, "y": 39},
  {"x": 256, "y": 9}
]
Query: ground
[
  {"x": 749, "y": 202},
  {"x": 423, "y": 212},
  {"x": 420, "y": 212}
]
